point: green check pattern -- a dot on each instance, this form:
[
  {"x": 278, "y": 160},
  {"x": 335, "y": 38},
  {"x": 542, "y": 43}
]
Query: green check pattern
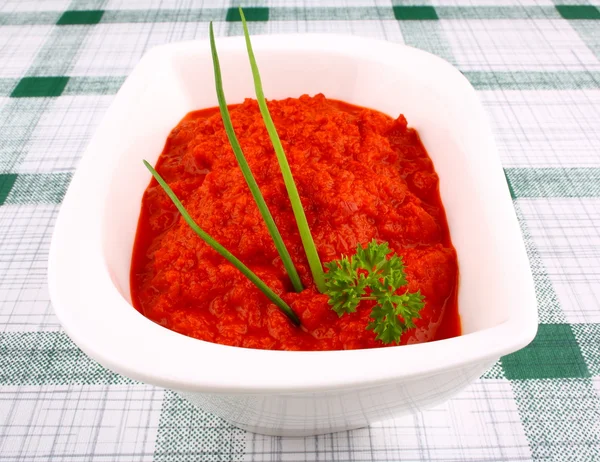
[{"x": 536, "y": 66}]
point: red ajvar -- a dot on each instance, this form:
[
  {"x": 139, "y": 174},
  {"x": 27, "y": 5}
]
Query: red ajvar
[{"x": 361, "y": 175}]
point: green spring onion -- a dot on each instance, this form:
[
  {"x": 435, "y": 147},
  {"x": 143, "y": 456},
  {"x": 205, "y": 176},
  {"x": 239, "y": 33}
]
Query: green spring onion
[
  {"x": 254, "y": 189},
  {"x": 307, "y": 240},
  {"x": 223, "y": 251}
]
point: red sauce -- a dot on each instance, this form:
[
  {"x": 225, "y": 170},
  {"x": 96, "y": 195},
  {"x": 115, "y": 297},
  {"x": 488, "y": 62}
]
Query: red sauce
[{"x": 361, "y": 175}]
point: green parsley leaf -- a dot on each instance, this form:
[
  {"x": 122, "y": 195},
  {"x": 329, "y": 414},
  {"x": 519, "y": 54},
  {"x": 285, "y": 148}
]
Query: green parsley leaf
[
  {"x": 344, "y": 285},
  {"x": 370, "y": 275}
]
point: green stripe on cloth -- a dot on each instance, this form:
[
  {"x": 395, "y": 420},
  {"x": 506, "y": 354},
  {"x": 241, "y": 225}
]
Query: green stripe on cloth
[
  {"x": 38, "y": 188},
  {"x": 94, "y": 85},
  {"x": 560, "y": 418},
  {"x": 578, "y": 11},
  {"x": 37, "y": 87},
  {"x": 588, "y": 337},
  {"x": 549, "y": 309},
  {"x": 7, "y": 181},
  {"x": 588, "y": 31},
  {"x": 331, "y": 13},
  {"x": 531, "y": 80},
  {"x": 428, "y": 36},
  {"x": 164, "y": 15},
  {"x": 58, "y": 54},
  {"x": 187, "y": 434},
  {"x": 510, "y": 188},
  {"x": 415, "y": 13},
  {"x": 70, "y": 18},
  {"x": 495, "y": 372},
  {"x": 26, "y": 18},
  {"x": 49, "y": 358},
  {"x": 497, "y": 12},
  {"x": 18, "y": 119},
  {"x": 284, "y": 13},
  {"x": 250, "y": 13},
  {"x": 553, "y": 354},
  {"x": 554, "y": 182},
  {"x": 108, "y": 85},
  {"x": 7, "y": 85},
  {"x": 355, "y": 13}
]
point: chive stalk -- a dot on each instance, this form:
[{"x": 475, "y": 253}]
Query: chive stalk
[
  {"x": 254, "y": 189},
  {"x": 310, "y": 249},
  {"x": 264, "y": 288}
]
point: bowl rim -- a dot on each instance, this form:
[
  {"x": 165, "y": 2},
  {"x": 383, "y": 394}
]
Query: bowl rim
[{"x": 145, "y": 354}]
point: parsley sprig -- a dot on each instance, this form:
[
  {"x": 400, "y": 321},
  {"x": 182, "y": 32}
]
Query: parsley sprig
[{"x": 370, "y": 275}]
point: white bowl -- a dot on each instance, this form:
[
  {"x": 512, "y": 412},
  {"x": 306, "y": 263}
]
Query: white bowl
[{"x": 279, "y": 392}]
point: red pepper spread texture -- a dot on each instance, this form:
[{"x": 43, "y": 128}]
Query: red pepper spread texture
[{"x": 361, "y": 175}]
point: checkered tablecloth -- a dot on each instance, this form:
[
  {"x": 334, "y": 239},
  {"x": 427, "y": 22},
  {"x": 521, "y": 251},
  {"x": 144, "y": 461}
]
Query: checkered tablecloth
[{"x": 536, "y": 66}]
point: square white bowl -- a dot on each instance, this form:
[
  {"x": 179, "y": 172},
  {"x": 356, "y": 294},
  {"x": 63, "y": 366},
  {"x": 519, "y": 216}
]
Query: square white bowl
[{"x": 280, "y": 392}]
